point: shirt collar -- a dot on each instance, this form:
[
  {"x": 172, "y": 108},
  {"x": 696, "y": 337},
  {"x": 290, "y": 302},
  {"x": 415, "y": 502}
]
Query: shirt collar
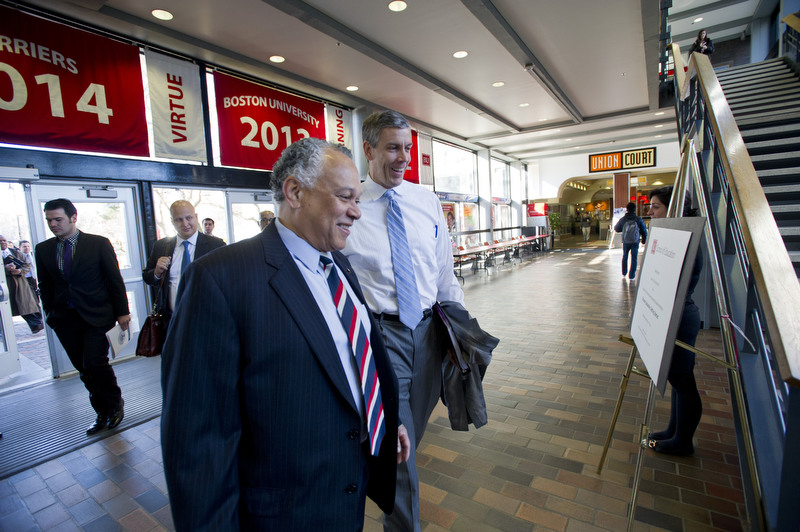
[
  {"x": 299, "y": 248},
  {"x": 370, "y": 190},
  {"x": 192, "y": 240},
  {"x": 72, "y": 239}
]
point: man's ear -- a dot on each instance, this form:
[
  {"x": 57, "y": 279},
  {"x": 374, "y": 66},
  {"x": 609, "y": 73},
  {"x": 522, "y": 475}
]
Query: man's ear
[
  {"x": 292, "y": 191},
  {"x": 368, "y": 150}
]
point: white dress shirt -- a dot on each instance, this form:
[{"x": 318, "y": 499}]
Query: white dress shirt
[
  {"x": 307, "y": 260},
  {"x": 431, "y": 252},
  {"x": 177, "y": 262}
]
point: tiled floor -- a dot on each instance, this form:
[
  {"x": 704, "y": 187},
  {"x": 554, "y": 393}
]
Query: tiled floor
[{"x": 550, "y": 391}]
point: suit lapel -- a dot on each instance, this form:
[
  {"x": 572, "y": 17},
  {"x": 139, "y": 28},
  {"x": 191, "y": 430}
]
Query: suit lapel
[{"x": 290, "y": 286}]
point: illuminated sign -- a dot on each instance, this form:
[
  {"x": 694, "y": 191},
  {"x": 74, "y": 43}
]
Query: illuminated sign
[{"x": 622, "y": 160}]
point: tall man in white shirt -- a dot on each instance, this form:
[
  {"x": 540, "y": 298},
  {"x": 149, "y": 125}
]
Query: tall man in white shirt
[
  {"x": 400, "y": 292},
  {"x": 171, "y": 255}
]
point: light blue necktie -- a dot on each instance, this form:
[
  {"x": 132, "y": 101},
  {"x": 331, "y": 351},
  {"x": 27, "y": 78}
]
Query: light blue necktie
[
  {"x": 186, "y": 258},
  {"x": 408, "y": 302}
]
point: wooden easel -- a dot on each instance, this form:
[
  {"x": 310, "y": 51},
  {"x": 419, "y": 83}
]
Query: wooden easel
[{"x": 644, "y": 428}]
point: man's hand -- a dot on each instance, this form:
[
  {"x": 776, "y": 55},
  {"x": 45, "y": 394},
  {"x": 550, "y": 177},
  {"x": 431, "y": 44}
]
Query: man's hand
[
  {"x": 161, "y": 266},
  {"x": 403, "y": 445},
  {"x": 124, "y": 321}
]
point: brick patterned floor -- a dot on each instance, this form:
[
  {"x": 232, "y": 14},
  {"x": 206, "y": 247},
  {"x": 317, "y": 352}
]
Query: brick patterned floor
[{"x": 550, "y": 392}]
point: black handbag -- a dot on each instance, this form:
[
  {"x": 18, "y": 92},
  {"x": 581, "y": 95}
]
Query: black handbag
[{"x": 154, "y": 330}]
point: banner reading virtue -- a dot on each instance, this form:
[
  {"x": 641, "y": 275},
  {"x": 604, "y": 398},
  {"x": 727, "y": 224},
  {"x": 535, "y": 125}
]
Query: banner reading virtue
[
  {"x": 257, "y": 123},
  {"x": 177, "y": 107},
  {"x": 61, "y": 87}
]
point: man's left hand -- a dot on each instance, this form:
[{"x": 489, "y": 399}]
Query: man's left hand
[
  {"x": 124, "y": 321},
  {"x": 403, "y": 445}
]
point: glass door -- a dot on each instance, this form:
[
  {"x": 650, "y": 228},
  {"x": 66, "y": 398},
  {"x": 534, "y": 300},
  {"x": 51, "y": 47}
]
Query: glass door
[
  {"x": 244, "y": 208},
  {"x": 9, "y": 358},
  {"x": 110, "y": 210}
]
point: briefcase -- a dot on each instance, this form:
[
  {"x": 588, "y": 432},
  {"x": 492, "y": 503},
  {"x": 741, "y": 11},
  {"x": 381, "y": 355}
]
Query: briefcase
[{"x": 154, "y": 330}]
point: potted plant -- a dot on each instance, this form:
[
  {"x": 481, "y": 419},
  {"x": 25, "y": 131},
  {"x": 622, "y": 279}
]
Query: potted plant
[{"x": 555, "y": 225}]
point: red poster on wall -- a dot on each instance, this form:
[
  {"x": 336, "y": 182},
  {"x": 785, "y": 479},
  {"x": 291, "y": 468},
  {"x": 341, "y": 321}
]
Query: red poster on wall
[
  {"x": 412, "y": 170},
  {"x": 257, "y": 123},
  {"x": 61, "y": 87}
]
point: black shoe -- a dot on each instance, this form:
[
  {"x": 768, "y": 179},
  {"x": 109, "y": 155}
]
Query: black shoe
[
  {"x": 668, "y": 447},
  {"x": 98, "y": 425},
  {"x": 35, "y": 330},
  {"x": 115, "y": 417}
]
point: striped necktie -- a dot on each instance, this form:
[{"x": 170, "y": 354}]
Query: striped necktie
[
  {"x": 186, "y": 258},
  {"x": 408, "y": 300},
  {"x": 360, "y": 347}
]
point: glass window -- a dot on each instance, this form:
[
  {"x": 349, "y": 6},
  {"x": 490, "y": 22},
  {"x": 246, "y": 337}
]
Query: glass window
[
  {"x": 454, "y": 169},
  {"x": 501, "y": 182},
  {"x": 207, "y": 204}
]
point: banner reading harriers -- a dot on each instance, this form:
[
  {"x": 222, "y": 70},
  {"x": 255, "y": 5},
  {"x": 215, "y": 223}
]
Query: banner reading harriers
[
  {"x": 62, "y": 87},
  {"x": 257, "y": 123}
]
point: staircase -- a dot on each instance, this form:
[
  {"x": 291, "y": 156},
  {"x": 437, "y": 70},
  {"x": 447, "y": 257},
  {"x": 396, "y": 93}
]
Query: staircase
[{"x": 765, "y": 101}]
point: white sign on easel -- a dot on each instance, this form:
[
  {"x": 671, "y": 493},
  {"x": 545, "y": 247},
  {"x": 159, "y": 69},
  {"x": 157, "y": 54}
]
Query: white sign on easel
[{"x": 664, "y": 278}]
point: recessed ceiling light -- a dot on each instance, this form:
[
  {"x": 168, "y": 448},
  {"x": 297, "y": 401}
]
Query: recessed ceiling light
[
  {"x": 460, "y": 54},
  {"x": 659, "y": 113},
  {"x": 567, "y": 140},
  {"x": 658, "y": 125},
  {"x": 698, "y": 19},
  {"x": 397, "y": 6},
  {"x": 277, "y": 58},
  {"x": 352, "y": 88},
  {"x": 498, "y": 83},
  {"x": 542, "y": 120},
  {"x": 658, "y": 136},
  {"x": 161, "y": 14},
  {"x": 524, "y": 104}
]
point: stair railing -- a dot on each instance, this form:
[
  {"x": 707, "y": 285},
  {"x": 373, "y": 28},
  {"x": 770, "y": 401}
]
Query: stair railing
[{"x": 757, "y": 291}]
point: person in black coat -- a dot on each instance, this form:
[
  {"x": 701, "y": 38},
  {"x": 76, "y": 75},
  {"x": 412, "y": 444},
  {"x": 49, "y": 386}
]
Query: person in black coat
[
  {"x": 264, "y": 416},
  {"x": 702, "y": 45},
  {"x": 686, "y": 408},
  {"x": 83, "y": 294}
]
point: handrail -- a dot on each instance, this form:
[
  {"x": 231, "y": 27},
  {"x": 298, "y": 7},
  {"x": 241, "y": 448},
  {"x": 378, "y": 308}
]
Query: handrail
[{"x": 774, "y": 276}]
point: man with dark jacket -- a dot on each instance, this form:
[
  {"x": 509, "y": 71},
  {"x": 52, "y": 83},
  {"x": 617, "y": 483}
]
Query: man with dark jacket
[
  {"x": 171, "y": 255},
  {"x": 83, "y": 294},
  {"x": 632, "y": 228}
]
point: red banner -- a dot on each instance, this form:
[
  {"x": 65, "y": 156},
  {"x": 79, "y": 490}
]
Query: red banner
[
  {"x": 257, "y": 123},
  {"x": 62, "y": 87}
]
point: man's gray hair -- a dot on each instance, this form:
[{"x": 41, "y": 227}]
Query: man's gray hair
[
  {"x": 304, "y": 160},
  {"x": 377, "y": 122}
]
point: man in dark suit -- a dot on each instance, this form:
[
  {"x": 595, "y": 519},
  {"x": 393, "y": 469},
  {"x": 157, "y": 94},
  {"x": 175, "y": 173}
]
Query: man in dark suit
[
  {"x": 265, "y": 424},
  {"x": 83, "y": 294},
  {"x": 171, "y": 255}
]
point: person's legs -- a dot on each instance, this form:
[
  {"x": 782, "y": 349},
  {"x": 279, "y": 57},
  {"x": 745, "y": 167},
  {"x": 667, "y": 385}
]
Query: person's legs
[
  {"x": 625, "y": 250},
  {"x": 634, "y": 259},
  {"x": 400, "y": 346}
]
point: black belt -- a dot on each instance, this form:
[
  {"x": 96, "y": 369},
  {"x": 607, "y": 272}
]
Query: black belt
[{"x": 394, "y": 317}]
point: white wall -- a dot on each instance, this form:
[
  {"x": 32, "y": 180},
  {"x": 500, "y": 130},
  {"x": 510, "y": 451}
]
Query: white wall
[{"x": 545, "y": 178}]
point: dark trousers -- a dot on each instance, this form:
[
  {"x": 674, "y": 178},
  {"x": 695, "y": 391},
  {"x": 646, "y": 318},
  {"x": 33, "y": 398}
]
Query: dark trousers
[
  {"x": 687, "y": 408},
  {"x": 633, "y": 249},
  {"x": 34, "y": 321},
  {"x": 87, "y": 348}
]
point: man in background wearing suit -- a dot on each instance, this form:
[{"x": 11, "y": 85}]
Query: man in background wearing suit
[
  {"x": 266, "y": 423},
  {"x": 171, "y": 255},
  {"x": 83, "y": 294}
]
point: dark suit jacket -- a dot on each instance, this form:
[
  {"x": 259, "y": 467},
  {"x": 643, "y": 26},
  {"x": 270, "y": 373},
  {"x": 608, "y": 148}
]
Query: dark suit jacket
[
  {"x": 259, "y": 429},
  {"x": 164, "y": 248},
  {"x": 95, "y": 286}
]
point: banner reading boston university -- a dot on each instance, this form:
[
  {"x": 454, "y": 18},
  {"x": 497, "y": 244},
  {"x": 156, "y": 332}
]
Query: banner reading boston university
[
  {"x": 62, "y": 87},
  {"x": 177, "y": 107},
  {"x": 257, "y": 123}
]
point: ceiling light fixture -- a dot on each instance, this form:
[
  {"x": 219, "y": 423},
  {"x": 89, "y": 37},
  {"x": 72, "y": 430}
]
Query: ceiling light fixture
[
  {"x": 352, "y": 88},
  {"x": 161, "y": 14},
  {"x": 498, "y": 83},
  {"x": 698, "y": 19},
  {"x": 397, "y": 6},
  {"x": 526, "y": 104},
  {"x": 277, "y": 58},
  {"x": 658, "y": 125},
  {"x": 461, "y": 54},
  {"x": 659, "y": 113}
]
